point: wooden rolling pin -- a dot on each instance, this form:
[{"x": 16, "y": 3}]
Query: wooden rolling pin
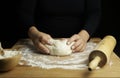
[{"x": 102, "y": 52}]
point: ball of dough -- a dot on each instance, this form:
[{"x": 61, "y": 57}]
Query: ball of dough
[{"x": 59, "y": 47}]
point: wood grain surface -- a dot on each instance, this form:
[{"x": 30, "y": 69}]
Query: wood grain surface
[{"x": 110, "y": 71}]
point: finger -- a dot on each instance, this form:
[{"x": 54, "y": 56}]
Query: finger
[
  {"x": 46, "y": 40},
  {"x": 73, "y": 38},
  {"x": 83, "y": 48},
  {"x": 79, "y": 45},
  {"x": 78, "y": 49},
  {"x": 76, "y": 44},
  {"x": 41, "y": 47}
]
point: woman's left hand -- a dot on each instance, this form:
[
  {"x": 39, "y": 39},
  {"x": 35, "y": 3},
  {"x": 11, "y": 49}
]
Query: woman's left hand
[{"x": 80, "y": 41}]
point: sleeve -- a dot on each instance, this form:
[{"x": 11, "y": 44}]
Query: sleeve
[
  {"x": 25, "y": 14},
  {"x": 93, "y": 15}
]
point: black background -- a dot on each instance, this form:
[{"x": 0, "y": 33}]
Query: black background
[{"x": 109, "y": 24}]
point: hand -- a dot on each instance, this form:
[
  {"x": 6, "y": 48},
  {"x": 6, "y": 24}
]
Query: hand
[
  {"x": 80, "y": 41},
  {"x": 39, "y": 39}
]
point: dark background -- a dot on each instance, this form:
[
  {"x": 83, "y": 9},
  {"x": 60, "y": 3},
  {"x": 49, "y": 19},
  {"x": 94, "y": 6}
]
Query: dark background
[{"x": 109, "y": 24}]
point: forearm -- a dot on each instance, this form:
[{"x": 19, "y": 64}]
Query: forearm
[
  {"x": 92, "y": 23},
  {"x": 93, "y": 16}
]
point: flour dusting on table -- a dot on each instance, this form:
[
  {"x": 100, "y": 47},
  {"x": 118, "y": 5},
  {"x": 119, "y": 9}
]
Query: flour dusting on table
[{"x": 32, "y": 57}]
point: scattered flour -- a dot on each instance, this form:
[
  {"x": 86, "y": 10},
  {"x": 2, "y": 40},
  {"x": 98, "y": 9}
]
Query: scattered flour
[{"x": 31, "y": 57}]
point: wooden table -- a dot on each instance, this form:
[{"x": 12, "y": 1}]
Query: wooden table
[{"x": 35, "y": 72}]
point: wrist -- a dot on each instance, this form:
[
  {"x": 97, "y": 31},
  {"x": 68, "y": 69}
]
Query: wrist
[{"x": 84, "y": 34}]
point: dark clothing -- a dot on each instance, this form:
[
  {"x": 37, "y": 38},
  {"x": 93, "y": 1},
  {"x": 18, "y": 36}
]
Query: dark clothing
[{"x": 60, "y": 18}]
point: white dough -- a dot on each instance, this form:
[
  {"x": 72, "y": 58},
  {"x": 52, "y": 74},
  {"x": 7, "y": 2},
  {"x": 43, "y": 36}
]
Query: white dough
[{"x": 59, "y": 47}]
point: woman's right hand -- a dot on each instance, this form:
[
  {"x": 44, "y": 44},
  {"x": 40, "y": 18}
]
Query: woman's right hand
[{"x": 39, "y": 39}]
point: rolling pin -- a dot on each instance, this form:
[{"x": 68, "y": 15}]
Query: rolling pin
[{"x": 102, "y": 52}]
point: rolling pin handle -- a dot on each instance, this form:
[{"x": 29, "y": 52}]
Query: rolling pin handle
[{"x": 94, "y": 63}]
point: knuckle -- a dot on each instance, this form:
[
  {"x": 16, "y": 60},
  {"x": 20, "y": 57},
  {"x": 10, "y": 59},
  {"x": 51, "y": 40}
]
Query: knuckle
[{"x": 76, "y": 35}]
